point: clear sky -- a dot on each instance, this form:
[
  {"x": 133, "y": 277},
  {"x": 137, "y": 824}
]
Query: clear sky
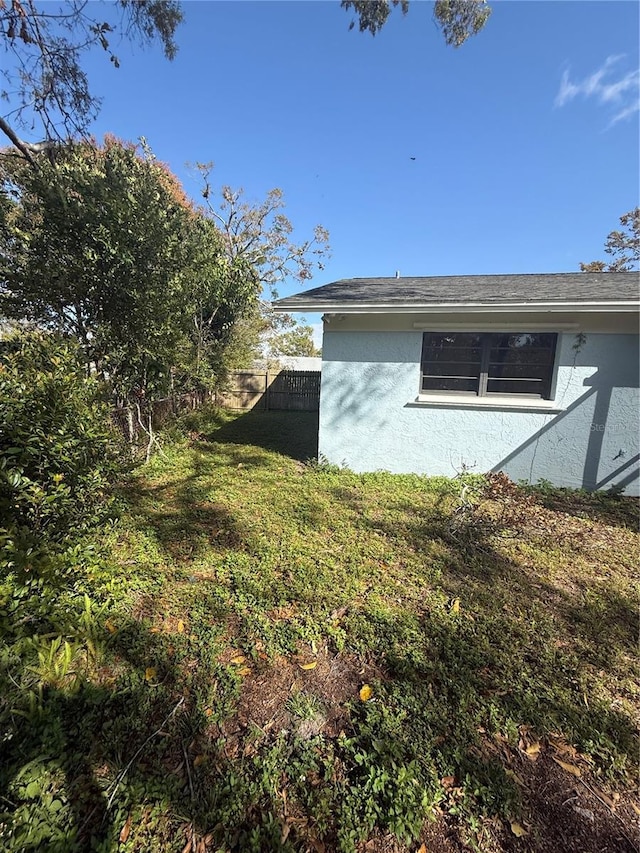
[{"x": 526, "y": 139}]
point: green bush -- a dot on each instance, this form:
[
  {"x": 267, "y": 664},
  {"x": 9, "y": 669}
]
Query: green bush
[{"x": 58, "y": 453}]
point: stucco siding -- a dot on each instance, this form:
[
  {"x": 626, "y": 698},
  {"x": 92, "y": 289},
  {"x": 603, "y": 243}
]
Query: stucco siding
[{"x": 370, "y": 420}]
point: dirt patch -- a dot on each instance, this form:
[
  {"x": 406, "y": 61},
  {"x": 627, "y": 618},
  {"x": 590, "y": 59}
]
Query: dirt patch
[
  {"x": 269, "y": 690},
  {"x": 569, "y": 813}
]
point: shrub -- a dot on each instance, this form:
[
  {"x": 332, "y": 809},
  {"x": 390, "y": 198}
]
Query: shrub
[{"x": 58, "y": 453}]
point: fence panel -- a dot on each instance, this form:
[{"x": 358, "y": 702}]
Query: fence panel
[
  {"x": 297, "y": 390},
  {"x": 247, "y": 390}
]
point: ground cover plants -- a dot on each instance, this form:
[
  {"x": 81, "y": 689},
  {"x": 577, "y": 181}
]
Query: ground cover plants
[{"x": 268, "y": 653}]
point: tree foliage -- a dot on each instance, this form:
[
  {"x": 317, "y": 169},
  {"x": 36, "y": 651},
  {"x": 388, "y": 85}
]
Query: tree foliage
[
  {"x": 457, "y": 19},
  {"x": 103, "y": 245},
  {"x": 622, "y": 245},
  {"x": 259, "y": 237},
  {"x": 260, "y": 234},
  {"x": 295, "y": 340},
  {"x": 44, "y": 46},
  {"x": 94, "y": 246}
]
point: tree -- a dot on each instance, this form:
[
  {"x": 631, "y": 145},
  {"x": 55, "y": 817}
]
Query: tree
[
  {"x": 623, "y": 246},
  {"x": 44, "y": 46},
  {"x": 458, "y": 19},
  {"x": 258, "y": 237},
  {"x": 260, "y": 234},
  {"x": 295, "y": 341},
  {"x": 103, "y": 245}
]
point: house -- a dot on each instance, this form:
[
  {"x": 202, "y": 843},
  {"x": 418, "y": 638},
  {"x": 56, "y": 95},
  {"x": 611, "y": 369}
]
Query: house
[{"x": 534, "y": 375}]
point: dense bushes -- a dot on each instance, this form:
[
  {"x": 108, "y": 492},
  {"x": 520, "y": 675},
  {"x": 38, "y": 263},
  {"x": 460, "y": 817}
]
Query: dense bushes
[{"x": 58, "y": 454}]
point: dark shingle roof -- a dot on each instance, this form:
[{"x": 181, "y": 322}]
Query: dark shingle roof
[{"x": 558, "y": 289}]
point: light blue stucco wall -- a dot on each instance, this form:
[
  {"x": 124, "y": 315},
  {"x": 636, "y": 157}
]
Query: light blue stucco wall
[{"x": 369, "y": 418}]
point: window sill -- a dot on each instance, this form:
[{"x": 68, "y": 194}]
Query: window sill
[{"x": 455, "y": 401}]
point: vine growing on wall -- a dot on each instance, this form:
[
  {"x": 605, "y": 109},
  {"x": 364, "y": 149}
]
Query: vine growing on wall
[{"x": 578, "y": 345}]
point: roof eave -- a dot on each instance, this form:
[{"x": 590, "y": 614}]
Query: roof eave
[{"x": 327, "y": 307}]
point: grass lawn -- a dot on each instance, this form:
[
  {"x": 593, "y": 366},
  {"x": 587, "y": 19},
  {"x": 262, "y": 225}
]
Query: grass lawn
[{"x": 266, "y": 654}]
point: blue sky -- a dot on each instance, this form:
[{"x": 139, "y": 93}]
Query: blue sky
[{"x": 525, "y": 139}]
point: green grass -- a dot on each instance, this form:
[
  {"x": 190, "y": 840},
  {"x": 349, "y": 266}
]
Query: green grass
[{"x": 180, "y": 707}]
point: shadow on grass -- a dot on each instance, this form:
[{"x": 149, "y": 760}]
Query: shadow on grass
[
  {"x": 155, "y": 746},
  {"x": 527, "y": 644},
  {"x": 184, "y": 520},
  {"x": 76, "y": 761},
  {"x": 132, "y": 755},
  {"x": 293, "y": 434}
]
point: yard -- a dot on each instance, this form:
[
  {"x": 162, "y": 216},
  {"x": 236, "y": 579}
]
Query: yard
[{"x": 278, "y": 655}]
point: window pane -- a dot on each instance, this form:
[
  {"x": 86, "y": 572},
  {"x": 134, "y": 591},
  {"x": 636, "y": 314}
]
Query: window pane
[
  {"x": 452, "y": 339},
  {"x": 488, "y": 363},
  {"x": 453, "y": 368},
  {"x": 451, "y": 354},
  {"x": 451, "y": 361},
  {"x": 449, "y": 383},
  {"x": 533, "y": 355},
  {"x": 521, "y": 363},
  {"x": 524, "y": 340},
  {"x": 516, "y": 386},
  {"x": 517, "y": 371}
]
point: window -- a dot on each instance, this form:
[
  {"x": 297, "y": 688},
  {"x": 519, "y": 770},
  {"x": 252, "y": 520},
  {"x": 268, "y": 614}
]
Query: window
[{"x": 499, "y": 363}]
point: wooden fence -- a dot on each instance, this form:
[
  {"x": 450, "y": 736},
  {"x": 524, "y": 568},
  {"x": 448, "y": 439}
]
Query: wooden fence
[
  {"x": 286, "y": 390},
  {"x": 293, "y": 390}
]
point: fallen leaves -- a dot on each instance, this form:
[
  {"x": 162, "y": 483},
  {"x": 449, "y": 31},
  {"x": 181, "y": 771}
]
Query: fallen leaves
[
  {"x": 240, "y": 661},
  {"x": 455, "y": 606},
  {"x": 531, "y": 748},
  {"x": 518, "y": 829},
  {"x": 150, "y": 673},
  {"x": 611, "y": 801},
  {"x": 511, "y": 774},
  {"x": 560, "y": 745},
  {"x": 570, "y": 768},
  {"x": 366, "y": 692},
  {"x": 125, "y": 831},
  {"x": 307, "y": 666}
]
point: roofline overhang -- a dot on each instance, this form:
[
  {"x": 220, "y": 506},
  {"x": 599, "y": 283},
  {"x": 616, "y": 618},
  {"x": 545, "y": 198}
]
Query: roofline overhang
[{"x": 459, "y": 308}]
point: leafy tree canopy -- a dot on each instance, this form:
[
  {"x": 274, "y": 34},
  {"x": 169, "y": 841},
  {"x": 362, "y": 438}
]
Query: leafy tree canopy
[
  {"x": 622, "y": 245},
  {"x": 259, "y": 236},
  {"x": 294, "y": 341},
  {"x": 58, "y": 455},
  {"x": 103, "y": 245},
  {"x": 457, "y": 19}
]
